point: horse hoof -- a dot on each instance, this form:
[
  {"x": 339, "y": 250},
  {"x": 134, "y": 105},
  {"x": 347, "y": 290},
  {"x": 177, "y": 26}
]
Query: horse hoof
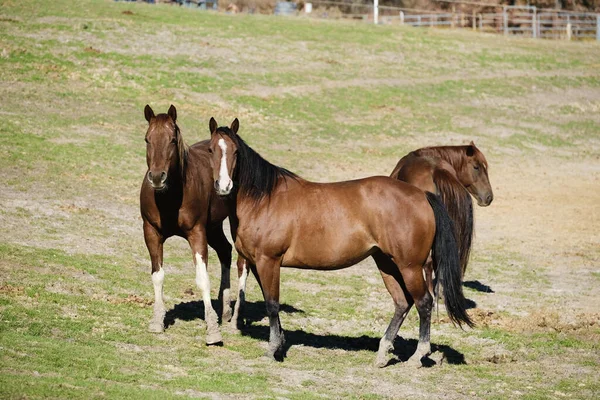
[
  {"x": 227, "y": 314},
  {"x": 156, "y": 327},
  {"x": 214, "y": 338},
  {"x": 381, "y": 362},
  {"x": 414, "y": 362},
  {"x": 234, "y": 328}
]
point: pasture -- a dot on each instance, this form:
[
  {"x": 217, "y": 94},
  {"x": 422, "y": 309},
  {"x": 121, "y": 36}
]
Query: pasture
[{"x": 329, "y": 101}]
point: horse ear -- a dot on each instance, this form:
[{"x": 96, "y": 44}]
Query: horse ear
[
  {"x": 471, "y": 149},
  {"x": 148, "y": 113},
  {"x": 212, "y": 125},
  {"x": 172, "y": 113},
  {"x": 235, "y": 125}
]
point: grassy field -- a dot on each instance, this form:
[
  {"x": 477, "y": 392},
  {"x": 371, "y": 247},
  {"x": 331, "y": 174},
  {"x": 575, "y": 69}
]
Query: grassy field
[{"x": 330, "y": 101}]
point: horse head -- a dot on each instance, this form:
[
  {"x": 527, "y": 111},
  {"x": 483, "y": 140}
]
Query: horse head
[
  {"x": 223, "y": 155},
  {"x": 165, "y": 150},
  {"x": 474, "y": 175}
]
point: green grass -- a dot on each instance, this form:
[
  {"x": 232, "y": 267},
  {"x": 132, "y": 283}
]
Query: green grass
[{"x": 327, "y": 99}]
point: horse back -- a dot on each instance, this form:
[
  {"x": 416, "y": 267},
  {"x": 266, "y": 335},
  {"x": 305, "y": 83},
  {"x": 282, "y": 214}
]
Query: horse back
[{"x": 351, "y": 217}]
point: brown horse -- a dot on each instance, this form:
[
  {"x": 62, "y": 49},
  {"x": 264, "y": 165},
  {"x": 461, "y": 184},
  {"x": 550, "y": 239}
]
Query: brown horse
[
  {"x": 177, "y": 199},
  {"x": 452, "y": 172},
  {"x": 282, "y": 220}
]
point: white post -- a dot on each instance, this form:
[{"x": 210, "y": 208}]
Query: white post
[
  {"x": 598, "y": 27},
  {"x": 402, "y": 18},
  {"x": 534, "y": 23},
  {"x": 375, "y": 12}
]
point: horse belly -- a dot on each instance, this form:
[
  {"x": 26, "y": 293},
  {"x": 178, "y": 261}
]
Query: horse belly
[{"x": 328, "y": 250}]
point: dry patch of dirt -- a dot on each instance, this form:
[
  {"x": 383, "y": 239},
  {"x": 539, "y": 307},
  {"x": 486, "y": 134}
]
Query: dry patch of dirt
[{"x": 537, "y": 321}]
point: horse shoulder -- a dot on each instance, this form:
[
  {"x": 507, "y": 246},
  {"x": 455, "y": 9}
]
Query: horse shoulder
[{"x": 148, "y": 208}]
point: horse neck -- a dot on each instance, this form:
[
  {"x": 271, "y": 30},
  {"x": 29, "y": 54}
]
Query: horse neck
[
  {"x": 255, "y": 177},
  {"x": 453, "y": 155}
]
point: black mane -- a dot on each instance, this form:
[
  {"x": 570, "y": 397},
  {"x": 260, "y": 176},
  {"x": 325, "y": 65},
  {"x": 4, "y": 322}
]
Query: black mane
[{"x": 254, "y": 176}]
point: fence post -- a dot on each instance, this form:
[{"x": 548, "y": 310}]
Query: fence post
[
  {"x": 480, "y": 21},
  {"x": 474, "y": 20},
  {"x": 401, "y": 17},
  {"x": 375, "y": 12},
  {"x": 534, "y": 23},
  {"x": 453, "y": 16},
  {"x": 505, "y": 20},
  {"x": 569, "y": 31},
  {"x": 598, "y": 27}
]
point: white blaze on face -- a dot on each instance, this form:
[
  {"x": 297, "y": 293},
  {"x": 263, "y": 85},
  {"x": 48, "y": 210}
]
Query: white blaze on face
[
  {"x": 202, "y": 279},
  {"x": 225, "y": 183}
]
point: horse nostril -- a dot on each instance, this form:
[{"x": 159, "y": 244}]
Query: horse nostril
[
  {"x": 489, "y": 198},
  {"x": 149, "y": 175},
  {"x": 163, "y": 176},
  {"x": 217, "y": 184}
]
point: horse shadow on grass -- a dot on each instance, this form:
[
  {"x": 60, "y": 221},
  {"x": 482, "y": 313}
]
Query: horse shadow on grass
[
  {"x": 476, "y": 285},
  {"x": 403, "y": 348},
  {"x": 192, "y": 310},
  {"x": 255, "y": 311}
]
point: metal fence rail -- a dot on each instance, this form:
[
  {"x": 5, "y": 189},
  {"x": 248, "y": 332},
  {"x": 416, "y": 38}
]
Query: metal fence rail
[
  {"x": 527, "y": 21},
  {"x": 513, "y": 20},
  {"x": 563, "y": 25}
]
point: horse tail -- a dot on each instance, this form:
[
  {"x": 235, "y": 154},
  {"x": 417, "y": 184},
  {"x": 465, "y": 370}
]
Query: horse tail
[
  {"x": 459, "y": 205},
  {"x": 446, "y": 263}
]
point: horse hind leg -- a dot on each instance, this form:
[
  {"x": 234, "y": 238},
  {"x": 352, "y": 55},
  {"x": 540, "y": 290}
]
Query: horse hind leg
[
  {"x": 393, "y": 283},
  {"x": 419, "y": 291},
  {"x": 218, "y": 241}
]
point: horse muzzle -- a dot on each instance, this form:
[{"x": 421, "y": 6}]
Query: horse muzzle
[
  {"x": 223, "y": 188},
  {"x": 486, "y": 200},
  {"x": 158, "y": 180}
]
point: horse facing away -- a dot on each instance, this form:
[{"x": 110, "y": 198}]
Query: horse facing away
[
  {"x": 452, "y": 172},
  {"x": 282, "y": 220},
  {"x": 177, "y": 199}
]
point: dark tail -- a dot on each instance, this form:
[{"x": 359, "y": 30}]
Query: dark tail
[
  {"x": 459, "y": 205},
  {"x": 446, "y": 263}
]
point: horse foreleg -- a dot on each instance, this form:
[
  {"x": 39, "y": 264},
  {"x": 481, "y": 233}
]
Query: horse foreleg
[
  {"x": 242, "y": 267},
  {"x": 154, "y": 243},
  {"x": 267, "y": 272},
  {"x": 218, "y": 241},
  {"x": 197, "y": 242}
]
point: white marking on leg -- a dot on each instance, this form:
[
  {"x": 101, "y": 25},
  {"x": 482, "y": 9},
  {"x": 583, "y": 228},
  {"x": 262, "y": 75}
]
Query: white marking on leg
[
  {"x": 158, "y": 278},
  {"x": 213, "y": 335},
  {"x": 243, "y": 278},
  {"x": 202, "y": 281},
  {"x": 241, "y": 295},
  {"x": 225, "y": 183}
]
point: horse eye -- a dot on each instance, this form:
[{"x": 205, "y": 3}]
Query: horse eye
[
  {"x": 476, "y": 167},
  {"x": 210, "y": 150},
  {"x": 174, "y": 141},
  {"x": 146, "y": 140}
]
